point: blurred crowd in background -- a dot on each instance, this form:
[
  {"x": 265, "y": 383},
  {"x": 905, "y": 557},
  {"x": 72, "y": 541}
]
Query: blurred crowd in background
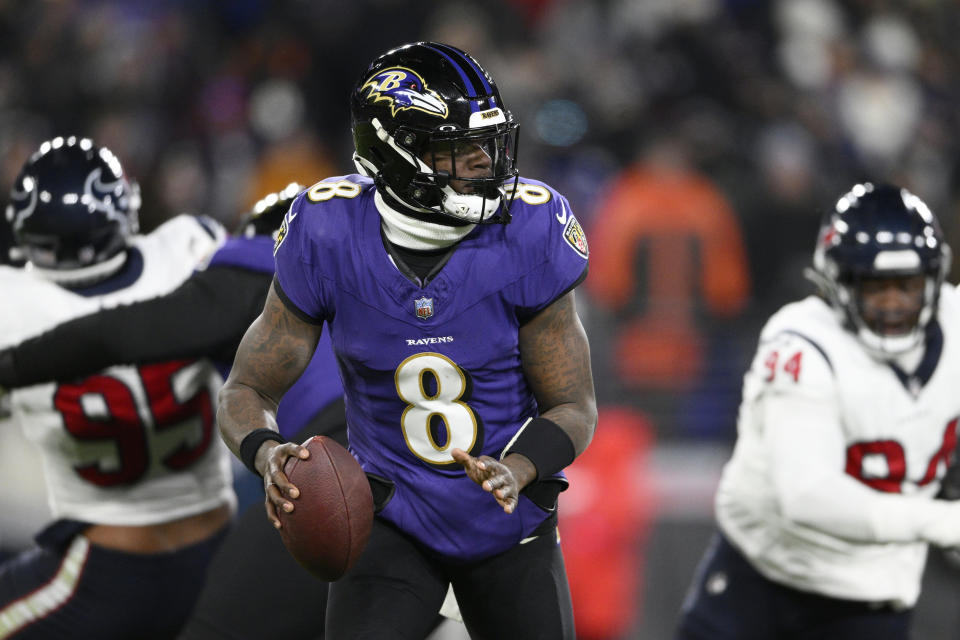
[{"x": 698, "y": 141}]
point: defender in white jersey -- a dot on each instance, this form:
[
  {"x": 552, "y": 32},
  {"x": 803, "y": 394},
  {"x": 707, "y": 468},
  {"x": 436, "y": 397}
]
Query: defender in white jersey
[
  {"x": 138, "y": 481},
  {"x": 847, "y": 426}
]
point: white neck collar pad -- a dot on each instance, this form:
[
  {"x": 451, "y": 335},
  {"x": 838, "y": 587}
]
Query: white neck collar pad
[
  {"x": 418, "y": 235},
  {"x": 82, "y": 276}
]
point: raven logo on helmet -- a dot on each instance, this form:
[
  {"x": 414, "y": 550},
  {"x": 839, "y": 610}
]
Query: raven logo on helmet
[{"x": 404, "y": 89}]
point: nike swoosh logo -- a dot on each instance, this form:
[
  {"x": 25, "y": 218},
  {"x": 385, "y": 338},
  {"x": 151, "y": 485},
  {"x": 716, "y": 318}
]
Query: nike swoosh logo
[{"x": 562, "y": 216}]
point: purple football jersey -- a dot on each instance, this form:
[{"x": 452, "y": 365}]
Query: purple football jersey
[{"x": 429, "y": 369}]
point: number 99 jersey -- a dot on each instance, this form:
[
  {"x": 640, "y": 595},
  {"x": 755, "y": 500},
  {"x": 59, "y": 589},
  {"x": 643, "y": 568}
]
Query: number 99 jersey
[
  {"x": 828, "y": 437},
  {"x": 130, "y": 445},
  {"x": 428, "y": 369}
]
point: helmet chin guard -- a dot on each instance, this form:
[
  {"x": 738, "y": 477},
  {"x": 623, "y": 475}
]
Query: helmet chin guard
[{"x": 886, "y": 346}]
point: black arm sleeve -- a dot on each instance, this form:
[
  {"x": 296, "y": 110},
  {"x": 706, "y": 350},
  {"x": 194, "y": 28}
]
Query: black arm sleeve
[{"x": 205, "y": 317}]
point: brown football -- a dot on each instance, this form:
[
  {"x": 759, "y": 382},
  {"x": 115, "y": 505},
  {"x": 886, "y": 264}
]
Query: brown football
[{"x": 331, "y": 520}]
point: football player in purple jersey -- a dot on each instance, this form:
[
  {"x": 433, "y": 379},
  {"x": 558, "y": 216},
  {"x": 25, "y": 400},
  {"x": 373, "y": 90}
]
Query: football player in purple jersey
[
  {"x": 446, "y": 283},
  {"x": 206, "y": 317}
]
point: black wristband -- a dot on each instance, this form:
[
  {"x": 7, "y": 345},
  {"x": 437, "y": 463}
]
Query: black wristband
[
  {"x": 545, "y": 444},
  {"x": 251, "y": 444}
]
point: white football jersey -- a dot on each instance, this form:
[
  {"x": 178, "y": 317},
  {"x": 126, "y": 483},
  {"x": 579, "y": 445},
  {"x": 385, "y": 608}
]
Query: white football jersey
[
  {"x": 132, "y": 445},
  {"x": 834, "y": 447},
  {"x": 46, "y": 305}
]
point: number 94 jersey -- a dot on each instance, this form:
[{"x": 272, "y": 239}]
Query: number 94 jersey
[
  {"x": 129, "y": 445},
  {"x": 831, "y": 444},
  {"x": 427, "y": 369}
]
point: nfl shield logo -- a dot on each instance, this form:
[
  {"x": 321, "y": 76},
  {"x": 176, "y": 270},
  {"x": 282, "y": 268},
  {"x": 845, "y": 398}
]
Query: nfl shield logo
[{"x": 424, "y": 307}]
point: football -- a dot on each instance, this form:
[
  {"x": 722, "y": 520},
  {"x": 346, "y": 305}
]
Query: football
[{"x": 331, "y": 521}]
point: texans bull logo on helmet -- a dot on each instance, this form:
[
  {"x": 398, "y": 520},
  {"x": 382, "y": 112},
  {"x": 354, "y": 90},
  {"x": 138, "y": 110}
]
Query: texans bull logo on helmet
[
  {"x": 404, "y": 89},
  {"x": 97, "y": 196}
]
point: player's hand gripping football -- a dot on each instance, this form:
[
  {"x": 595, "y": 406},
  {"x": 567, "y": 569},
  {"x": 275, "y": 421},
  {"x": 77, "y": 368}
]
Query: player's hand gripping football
[
  {"x": 504, "y": 480},
  {"x": 279, "y": 492}
]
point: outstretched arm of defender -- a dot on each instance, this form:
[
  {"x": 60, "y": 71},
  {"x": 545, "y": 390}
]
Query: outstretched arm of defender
[{"x": 273, "y": 353}]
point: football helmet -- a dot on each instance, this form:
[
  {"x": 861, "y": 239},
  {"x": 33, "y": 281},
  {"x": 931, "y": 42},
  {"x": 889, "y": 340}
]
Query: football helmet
[
  {"x": 423, "y": 100},
  {"x": 72, "y": 210},
  {"x": 266, "y": 215},
  {"x": 879, "y": 231}
]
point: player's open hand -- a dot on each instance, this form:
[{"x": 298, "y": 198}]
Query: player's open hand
[
  {"x": 493, "y": 477},
  {"x": 279, "y": 492}
]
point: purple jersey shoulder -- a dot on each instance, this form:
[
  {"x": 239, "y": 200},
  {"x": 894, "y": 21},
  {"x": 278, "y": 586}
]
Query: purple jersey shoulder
[
  {"x": 320, "y": 226},
  {"x": 544, "y": 245},
  {"x": 541, "y": 211}
]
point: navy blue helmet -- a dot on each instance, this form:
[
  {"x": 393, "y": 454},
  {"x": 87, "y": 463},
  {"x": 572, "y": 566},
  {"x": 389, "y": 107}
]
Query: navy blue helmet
[
  {"x": 72, "y": 209},
  {"x": 426, "y": 96},
  {"x": 879, "y": 231}
]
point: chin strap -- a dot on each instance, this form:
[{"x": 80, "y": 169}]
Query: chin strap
[{"x": 418, "y": 235}]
